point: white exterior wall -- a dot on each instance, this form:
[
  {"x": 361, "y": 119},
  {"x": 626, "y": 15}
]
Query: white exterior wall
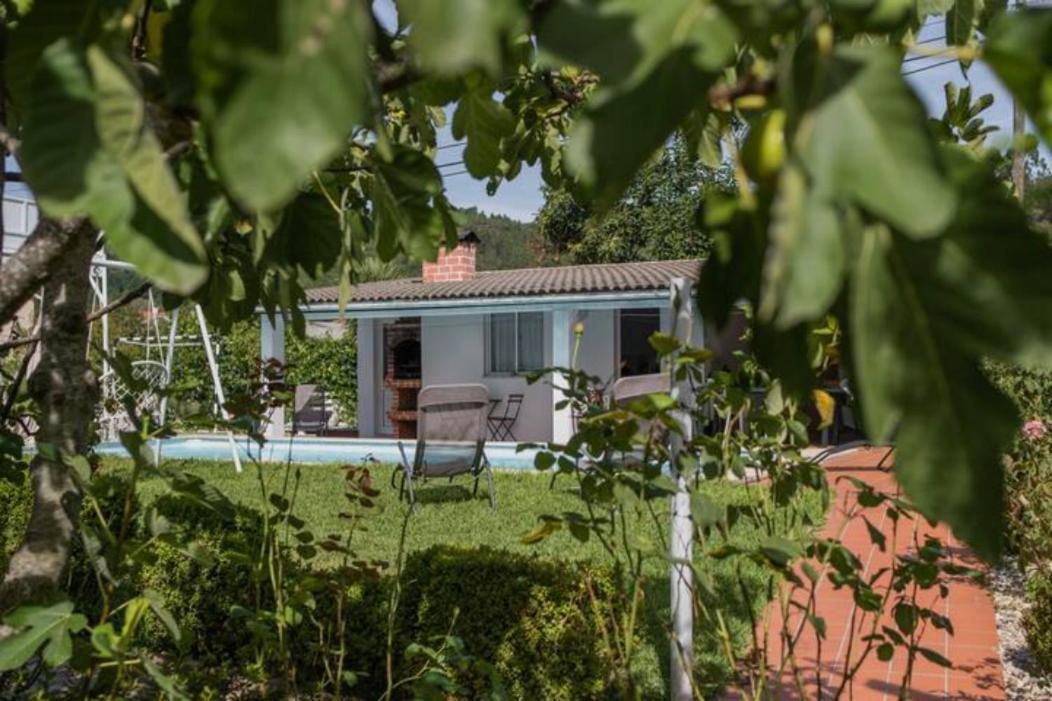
[
  {"x": 453, "y": 351},
  {"x": 599, "y": 343}
]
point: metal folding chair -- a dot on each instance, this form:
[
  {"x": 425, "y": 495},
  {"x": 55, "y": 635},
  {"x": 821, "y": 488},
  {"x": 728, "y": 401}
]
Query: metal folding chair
[{"x": 501, "y": 426}]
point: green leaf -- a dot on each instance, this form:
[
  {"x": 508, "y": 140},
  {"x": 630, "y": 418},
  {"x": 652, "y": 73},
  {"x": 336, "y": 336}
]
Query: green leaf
[
  {"x": 780, "y": 551},
  {"x": 917, "y": 388},
  {"x": 164, "y": 682},
  {"x": 626, "y": 38},
  {"x": 704, "y": 134},
  {"x": 1019, "y": 49},
  {"x": 597, "y": 36},
  {"x": 84, "y": 139},
  {"x": 960, "y": 20},
  {"x": 105, "y": 640},
  {"x": 408, "y": 205},
  {"x": 308, "y": 236},
  {"x": 804, "y": 265},
  {"x": 43, "y": 25},
  {"x": 543, "y": 460},
  {"x": 663, "y": 343},
  {"x": 160, "y": 239},
  {"x": 62, "y": 157},
  {"x": 279, "y": 99},
  {"x": 864, "y": 140},
  {"x": 156, "y": 602},
  {"x": 48, "y": 626},
  {"x": 933, "y": 656},
  {"x": 705, "y": 512},
  {"x": 622, "y": 127},
  {"x": 454, "y": 36},
  {"x": 906, "y": 617},
  {"x": 483, "y": 122},
  {"x": 545, "y": 528}
]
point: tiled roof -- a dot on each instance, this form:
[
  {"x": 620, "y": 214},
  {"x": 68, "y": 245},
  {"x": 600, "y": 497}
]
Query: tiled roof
[{"x": 527, "y": 282}]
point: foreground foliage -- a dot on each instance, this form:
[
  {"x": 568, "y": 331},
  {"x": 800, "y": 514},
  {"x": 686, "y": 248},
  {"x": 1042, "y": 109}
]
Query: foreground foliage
[{"x": 524, "y": 608}]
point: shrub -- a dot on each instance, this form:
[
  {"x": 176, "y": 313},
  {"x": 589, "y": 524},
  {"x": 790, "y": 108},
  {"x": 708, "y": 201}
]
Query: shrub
[
  {"x": 16, "y": 503},
  {"x": 1028, "y": 466},
  {"x": 331, "y": 362},
  {"x": 1038, "y": 618},
  {"x": 200, "y": 592},
  {"x": 531, "y": 618}
]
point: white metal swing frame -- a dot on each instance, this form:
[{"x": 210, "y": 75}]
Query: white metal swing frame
[{"x": 100, "y": 267}]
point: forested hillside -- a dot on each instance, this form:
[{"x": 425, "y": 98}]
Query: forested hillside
[{"x": 506, "y": 243}]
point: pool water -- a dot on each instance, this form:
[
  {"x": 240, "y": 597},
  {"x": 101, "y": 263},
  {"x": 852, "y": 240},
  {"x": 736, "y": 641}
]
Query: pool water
[{"x": 312, "y": 450}]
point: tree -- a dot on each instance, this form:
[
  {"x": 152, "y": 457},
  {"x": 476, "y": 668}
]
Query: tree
[
  {"x": 504, "y": 242},
  {"x": 655, "y": 218},
  {"x": 235, "y": 150}
]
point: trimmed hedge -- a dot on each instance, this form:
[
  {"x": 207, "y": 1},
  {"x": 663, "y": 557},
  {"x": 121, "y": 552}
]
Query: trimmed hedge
[
  {"x": 16, "y": 503},
  {"x": 200, "y": 596},
  {"x": 529, "y": 617}
]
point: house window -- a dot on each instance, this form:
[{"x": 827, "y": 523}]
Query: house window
[
  {"x": 637, "y": 356},
  {"x": 516, "y": 343}
]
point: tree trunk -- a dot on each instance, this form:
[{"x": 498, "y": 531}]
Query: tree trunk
[
  {"x": 65, "y": 390},
  {"x": 37, "y": 259}
]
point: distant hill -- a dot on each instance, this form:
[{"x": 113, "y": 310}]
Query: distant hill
[{"x": 506, "y": 243}]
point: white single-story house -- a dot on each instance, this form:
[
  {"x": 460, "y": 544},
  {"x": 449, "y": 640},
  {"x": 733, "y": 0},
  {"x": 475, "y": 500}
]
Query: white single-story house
[{"x": 458, "y": 325}]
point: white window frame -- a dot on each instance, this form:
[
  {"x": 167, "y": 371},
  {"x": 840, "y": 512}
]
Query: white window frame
[{"x": 517, "y": 372}]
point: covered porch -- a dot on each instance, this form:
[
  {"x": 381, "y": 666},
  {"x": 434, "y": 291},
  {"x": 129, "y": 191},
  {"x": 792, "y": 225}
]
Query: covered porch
[{"x": 496, "y": 328}]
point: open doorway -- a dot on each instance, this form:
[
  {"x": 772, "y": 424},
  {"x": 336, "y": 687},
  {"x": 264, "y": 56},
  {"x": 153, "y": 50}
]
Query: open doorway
[{"x": 635, "y": 354}]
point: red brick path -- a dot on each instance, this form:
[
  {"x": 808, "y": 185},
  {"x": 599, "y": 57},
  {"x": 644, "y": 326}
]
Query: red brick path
[{"x": 973, "y": 648}]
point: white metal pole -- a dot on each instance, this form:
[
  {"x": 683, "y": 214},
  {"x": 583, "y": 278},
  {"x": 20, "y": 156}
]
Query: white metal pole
[
  {"x": 681, "y": 541},
  {"x": 217, "y": 384},
  {"x": 104, "y": 286},
  {"x": 169, "y": 359},
  {"x": 152, "y": 312}
]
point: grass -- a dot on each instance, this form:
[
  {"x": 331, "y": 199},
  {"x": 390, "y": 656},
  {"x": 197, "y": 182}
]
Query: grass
[{"x": 449, "y": 514}]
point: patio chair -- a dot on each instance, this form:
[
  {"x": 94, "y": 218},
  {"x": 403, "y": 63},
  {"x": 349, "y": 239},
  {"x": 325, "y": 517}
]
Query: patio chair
[
  {"x": 311, "y": 412},
  {"x": 500, "y": 426},
  {"x": 628, "y": 389},
  {"x": 451, "y": 437},
  {"x": 625, "y": 390}
]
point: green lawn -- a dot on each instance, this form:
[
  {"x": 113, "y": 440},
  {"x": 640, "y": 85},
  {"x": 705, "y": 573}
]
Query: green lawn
[{"x": 449, "y": 514}]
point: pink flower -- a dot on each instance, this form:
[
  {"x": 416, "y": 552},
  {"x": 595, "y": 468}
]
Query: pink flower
[{"x": 1034, "y": 430}]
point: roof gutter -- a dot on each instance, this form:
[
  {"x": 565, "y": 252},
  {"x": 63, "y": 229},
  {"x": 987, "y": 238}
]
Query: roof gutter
[{"x": 488, "y": 305}]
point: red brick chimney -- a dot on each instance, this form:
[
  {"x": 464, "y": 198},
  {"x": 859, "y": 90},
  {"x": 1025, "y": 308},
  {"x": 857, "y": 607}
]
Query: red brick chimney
[{"x": 455, "y": 265}]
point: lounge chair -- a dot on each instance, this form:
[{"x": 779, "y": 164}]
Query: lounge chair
[
  {"x": 311, "y": 412},
  {"x": 451, "y": 437},
  {"x": 624, "y": 391}
]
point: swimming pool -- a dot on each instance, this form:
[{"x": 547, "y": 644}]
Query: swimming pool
[{"x": 311, "y": 450}]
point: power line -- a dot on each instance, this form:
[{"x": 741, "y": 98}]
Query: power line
[
  {"x": 922, "y": 57},
  {"x": 453, "y": 145},
  {"x": 450, "y": 175},
  {"x": 928, "y": 68},
  {"x": 451, "y": 163}
]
